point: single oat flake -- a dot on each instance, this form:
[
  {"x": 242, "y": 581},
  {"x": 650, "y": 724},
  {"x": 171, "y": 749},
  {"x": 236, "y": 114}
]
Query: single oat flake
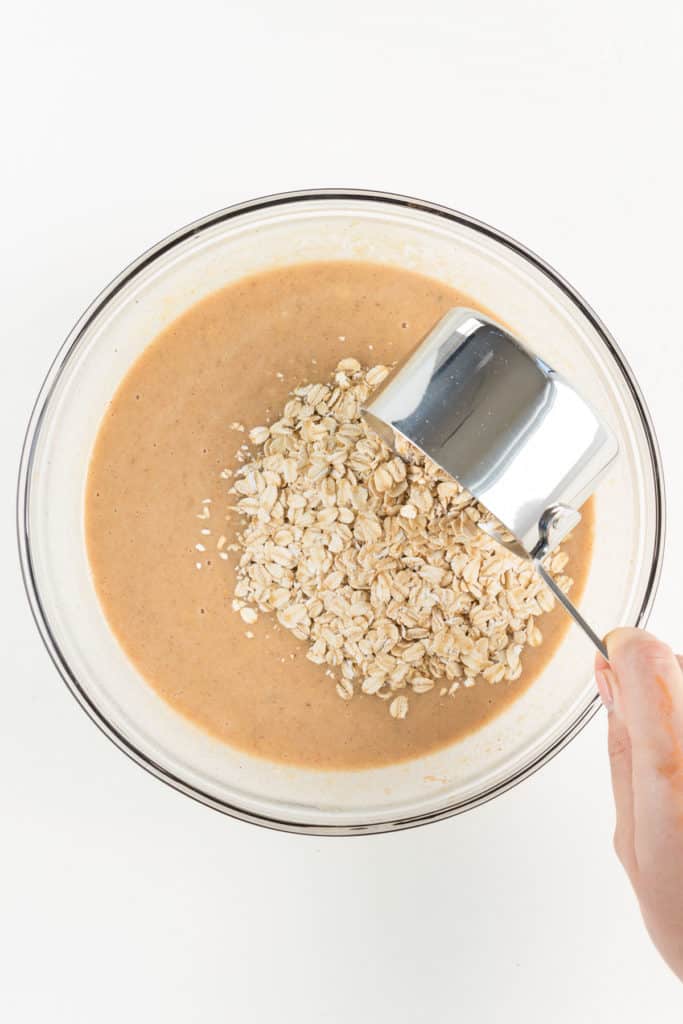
[{"x": 376, "y": 559}]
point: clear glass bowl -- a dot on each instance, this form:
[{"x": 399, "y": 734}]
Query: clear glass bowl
[{"x": 507, "y": 279}]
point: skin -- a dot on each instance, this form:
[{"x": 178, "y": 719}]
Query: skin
[{"x": 642, "y": 688}]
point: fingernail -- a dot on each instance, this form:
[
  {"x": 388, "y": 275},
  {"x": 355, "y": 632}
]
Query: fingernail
[{"x": 604, "y": 680}]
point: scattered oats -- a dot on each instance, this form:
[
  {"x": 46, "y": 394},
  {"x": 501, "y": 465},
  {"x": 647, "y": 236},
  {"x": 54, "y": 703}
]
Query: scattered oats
[
  {"x": 399, "y": 707},
  {"x": 239, "y": 427},
  {"x": 382, "y": 479},
  {"x": 372, "y": 684},
  {"x": 345, "y": 689},
  {"x": 342, "y": 337},
  {"x": 421, "y": 684},
  {"x": 494, "y": 673},
  {"x": 559, "y": 561},
  {"x": 316, "y": 653},
  {"x": 259, "y": 435},
  {"x": 564, "y": 583},
  {"x": 220, "y": 543},
  {"x": 223, "y": 555},
  {"x": 348, "y": 366},
  {"x": 198, "y": 565},
  {"x": 200, "y": 547},
  {"x": 376, "y": 375},
  {"x": 206, "y": 533},
  {"x": 249, "y": 635},
  {"x": 292, "y": 615},
  {"x": 280, "y": 376},
  {"x": 204, "y": 514},
  {"x": 376, "y": 559}
]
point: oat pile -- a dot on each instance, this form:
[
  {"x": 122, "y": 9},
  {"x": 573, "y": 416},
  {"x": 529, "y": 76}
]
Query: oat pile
[{"x": 376, "y": 559}]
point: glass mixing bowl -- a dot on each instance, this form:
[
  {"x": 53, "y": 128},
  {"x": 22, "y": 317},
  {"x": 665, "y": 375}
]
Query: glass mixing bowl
[{"x": 504, "y": 277}]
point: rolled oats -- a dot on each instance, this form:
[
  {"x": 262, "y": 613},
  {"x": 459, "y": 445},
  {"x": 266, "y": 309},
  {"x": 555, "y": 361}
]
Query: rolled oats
[{"x": 375, "y": 559}]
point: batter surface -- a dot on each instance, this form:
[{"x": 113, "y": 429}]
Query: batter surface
[{"x": 164, "y": 439}]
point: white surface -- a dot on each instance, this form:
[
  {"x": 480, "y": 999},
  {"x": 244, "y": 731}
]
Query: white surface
[{"x": 122, "y": 900}]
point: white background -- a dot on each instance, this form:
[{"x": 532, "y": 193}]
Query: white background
[{"x": 560, "y": 124}]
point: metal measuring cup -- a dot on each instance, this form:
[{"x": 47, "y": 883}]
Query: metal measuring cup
[{"x": 506, "y": 426}]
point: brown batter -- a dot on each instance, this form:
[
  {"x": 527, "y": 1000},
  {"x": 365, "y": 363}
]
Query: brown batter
[{"x": 163, "y": 441}]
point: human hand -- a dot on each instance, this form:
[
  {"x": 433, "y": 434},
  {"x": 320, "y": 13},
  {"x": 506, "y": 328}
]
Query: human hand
[{"x": 642, "y": 688}]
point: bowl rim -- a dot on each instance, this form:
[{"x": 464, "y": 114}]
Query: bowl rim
[{"x": 49, "y": 385}]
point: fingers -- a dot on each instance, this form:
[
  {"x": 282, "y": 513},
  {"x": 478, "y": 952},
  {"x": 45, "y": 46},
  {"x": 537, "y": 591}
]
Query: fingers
[
  {"x": 619, "y": 749},
  {"x": 648, "y": 700},
  {"x": 605, "y": 681},
  {"x": 643, "y": 686},
  {"x": 648, "y": 693}
]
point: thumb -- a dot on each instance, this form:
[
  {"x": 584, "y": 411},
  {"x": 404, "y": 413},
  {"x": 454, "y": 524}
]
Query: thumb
[
  {"x": 648, "y": 684},
  {"x": 649, "y": 694}
]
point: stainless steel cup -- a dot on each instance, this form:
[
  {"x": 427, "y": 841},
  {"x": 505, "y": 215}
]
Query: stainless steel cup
[{"x": 509, "y": 428}]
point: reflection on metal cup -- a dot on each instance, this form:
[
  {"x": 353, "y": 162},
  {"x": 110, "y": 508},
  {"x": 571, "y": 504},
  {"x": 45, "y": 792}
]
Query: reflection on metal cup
[
  {"x": 501, "y": 421},
  {"x": 505, "y": 425}
]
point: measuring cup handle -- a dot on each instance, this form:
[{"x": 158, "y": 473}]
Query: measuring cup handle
[{"x": 568, "y": 606}]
